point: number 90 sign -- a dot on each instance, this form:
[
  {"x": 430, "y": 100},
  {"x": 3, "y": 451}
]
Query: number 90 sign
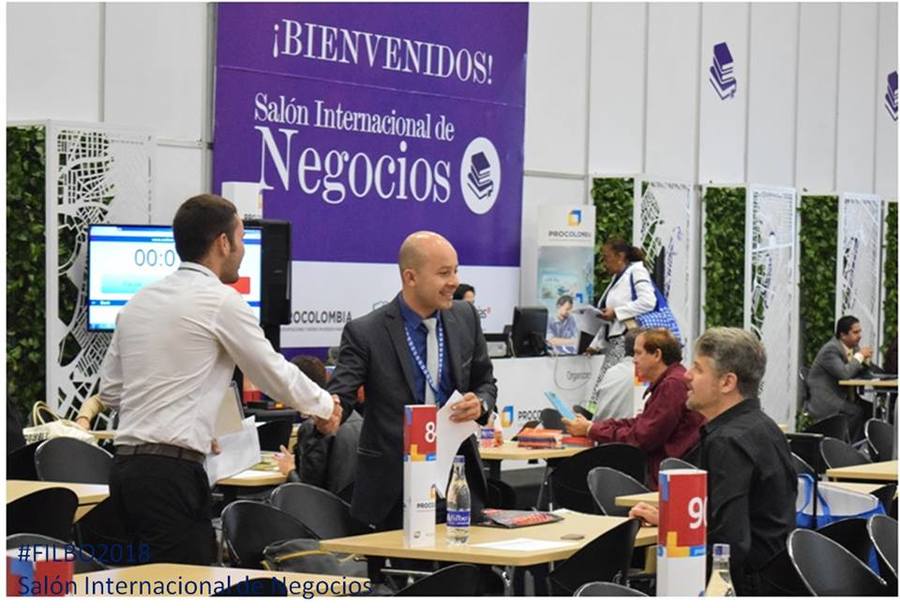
[{"x": 682, "y": 508}]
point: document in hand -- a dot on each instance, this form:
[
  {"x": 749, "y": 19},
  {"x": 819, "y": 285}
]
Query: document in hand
[
  {"x": 240, "y": 451},
  {"x": 588, "y": 320},
  {"x": 230, "y": 416},
  {"x": 450, "y": 436}
]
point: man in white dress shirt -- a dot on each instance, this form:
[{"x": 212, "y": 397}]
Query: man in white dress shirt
[{"x": 167, "y": 368}]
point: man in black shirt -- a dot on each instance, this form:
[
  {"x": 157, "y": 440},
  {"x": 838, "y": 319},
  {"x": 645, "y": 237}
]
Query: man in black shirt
[{"x": 752, "y": 487}]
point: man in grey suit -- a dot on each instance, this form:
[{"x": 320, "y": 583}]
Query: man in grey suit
[
  {"x": 419, "y": 348},
  {"x": 840, "y": 359}
]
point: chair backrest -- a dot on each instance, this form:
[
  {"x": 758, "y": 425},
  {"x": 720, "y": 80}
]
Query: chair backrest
[
  {"x": 806, "y": 446},
  {"x": 20, "y": 463},
  {"x": 249, "y": 527},
  {"x": 320, "y": 511},
  {"x": 882, "y": 531},
  {"x": 265, "y": 586},
  {"x": 675, "y": 463},
  {"x": 880, "y": 437},
  {"x": 49, "y": 512},
  {"x": 605, "y": 484},
  {"x": 274, "y": 434},
  {"x": 83, "y": 562},
  {"x": 605, "y": 558},
  {"x": 568, "y": 481},
  {"x": 606, "y": 589},
  {"x": 552, "y": 419},
  {"x": 456, "y": 580},
  {"x": 801, "y": 467},
  {"x": 851, "y": 535},
  {"x": 500, "y": 495},
  {"x": 827, "y": 569},
  {"x": 832, "y": 426},
  {"x": 885, "y": 495},
  {"x": 836, "y": 453},
  {"x": 72, "y": 461}
]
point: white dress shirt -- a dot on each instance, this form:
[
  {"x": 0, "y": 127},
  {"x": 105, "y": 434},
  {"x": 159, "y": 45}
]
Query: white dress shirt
[
  {"x": 616, "y": 391},
  {"x": 618, "y": 297},
  {"x": 173, "y": 354}
]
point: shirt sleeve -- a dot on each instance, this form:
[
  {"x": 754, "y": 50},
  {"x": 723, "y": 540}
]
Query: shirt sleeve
[
  {"x": 646, "y": 295},
  {"x": 244, "y": 340},
  {"x": 652, "y": 428},
  {"x": 111, "y": 381},
  {"x": 728, "y": 502}
]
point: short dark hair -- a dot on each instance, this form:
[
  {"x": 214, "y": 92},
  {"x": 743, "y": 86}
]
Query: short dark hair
[
  {"x": 662, "y": 340},
  {"x": 313, "y": 368},
  {"x": 460, "y": 292},
  {"x": 199, "y": 221},
  {"x": 565, "y": 300},
  {"x": 844, "y": 325}
]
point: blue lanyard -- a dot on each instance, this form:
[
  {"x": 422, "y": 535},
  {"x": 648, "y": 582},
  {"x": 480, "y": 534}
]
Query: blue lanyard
[{"x": 421, "y": 363}]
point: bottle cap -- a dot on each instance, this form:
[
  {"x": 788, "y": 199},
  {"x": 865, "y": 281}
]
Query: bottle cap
[{"x": 721, "y": 550}]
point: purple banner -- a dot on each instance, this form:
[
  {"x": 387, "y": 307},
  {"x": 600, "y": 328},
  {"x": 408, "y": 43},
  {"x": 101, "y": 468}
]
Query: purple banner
[{"x": 362, "y": 123}]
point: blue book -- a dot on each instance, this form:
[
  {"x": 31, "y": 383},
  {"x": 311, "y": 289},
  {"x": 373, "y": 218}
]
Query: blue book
[{"x": 561, "y": 406}]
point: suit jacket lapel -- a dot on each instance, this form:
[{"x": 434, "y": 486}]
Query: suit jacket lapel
[
  {"x": 451, "y": 335},
  {"x": 394, "y": 322}
]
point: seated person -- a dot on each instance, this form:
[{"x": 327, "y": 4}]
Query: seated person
[
  {"x": 323, "y": 460},
  {"x": 666, "y": 428},
  {"x": 840, "y": 359},
  {"x": 562, "y": 332},
  {"x": 465, "y": 292},
  {"x": 752, "y": 487},
  {"x": 616, "y": 389}
]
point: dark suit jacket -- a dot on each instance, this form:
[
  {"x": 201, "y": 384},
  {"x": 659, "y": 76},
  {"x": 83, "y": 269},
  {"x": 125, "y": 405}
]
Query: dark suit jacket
[
  {"x": 374, "y": 353},
  {"x": 826, "y": 396}
]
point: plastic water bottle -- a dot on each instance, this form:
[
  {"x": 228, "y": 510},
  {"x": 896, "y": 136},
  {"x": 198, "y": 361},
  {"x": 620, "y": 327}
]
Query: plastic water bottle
[
  {"x": 720, "y": 579},
  {"x": 459, "y": 504}
]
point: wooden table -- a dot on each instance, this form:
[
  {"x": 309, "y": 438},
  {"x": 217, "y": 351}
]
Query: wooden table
[
  {"x": 511, "y": 451},
  {"x": 877, "y": 471},
  {"x": 89, "y": 495},
  {"x": 267, "y": 475},
  {"x": 882, "y": 388},
  {"x": 390, "y": 544},
  {"x": 652, "y": 498},
  {"x": 127, "y": 581}
]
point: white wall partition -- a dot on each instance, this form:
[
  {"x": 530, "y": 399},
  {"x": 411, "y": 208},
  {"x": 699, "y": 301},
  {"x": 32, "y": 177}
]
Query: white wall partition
[
  {"x": 858, "y": 289},
  {"x": 770, "y": 293}
]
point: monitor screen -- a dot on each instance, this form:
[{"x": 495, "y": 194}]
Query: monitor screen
[{"x": 123, "y": 259}]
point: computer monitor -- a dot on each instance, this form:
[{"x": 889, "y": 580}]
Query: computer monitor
[
  {"x": 122, "y": 259},
  {"x": 529, "y": 331}
]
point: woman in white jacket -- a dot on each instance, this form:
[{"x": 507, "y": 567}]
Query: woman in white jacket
[{"x": 628, "y": 295}]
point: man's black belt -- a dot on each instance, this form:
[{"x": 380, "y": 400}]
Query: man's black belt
[{"x": 161, "y": 449}]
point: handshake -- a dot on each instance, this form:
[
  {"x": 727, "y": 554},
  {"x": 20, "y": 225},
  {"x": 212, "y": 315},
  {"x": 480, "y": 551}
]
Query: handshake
[{"x": 329, "y": 426}]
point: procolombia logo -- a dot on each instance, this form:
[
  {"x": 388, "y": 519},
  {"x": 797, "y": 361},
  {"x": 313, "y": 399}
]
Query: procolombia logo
[{"x": 321, "y": 317}]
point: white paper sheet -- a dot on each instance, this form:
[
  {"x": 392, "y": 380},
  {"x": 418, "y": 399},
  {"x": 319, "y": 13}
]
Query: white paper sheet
[
  {"x": 240, "y": 451},
  {"x": 230, "y": 416},
  {"x": 525, "y": 544},
  {"x": 587, "y": 320},
  {"x": 449, "y": 437}
]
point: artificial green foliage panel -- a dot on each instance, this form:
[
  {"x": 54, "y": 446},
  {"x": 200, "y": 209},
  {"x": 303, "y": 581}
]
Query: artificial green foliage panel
[
  {"x": 890, "y": 276},
  {"x": 818, "y": 268},
  {"x": 25, "y": 305},
  {"x": 724, "y": 234},
  {"x": 614, "y": 199}
]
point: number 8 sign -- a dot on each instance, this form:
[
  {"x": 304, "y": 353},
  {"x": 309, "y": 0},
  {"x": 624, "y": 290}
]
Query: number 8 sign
[{"x": 419, "y": 436}]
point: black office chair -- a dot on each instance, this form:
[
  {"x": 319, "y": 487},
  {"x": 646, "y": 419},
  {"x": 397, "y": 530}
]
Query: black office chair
[
  {"x": 835, "y": 453},
  {"x": 320, "y": 511},
  {"x": 500, "y": 495},
  {"x": 249, "y": 527},
  {"x": 568, "y": 480},
  {"x": 605, "y": 559},
  {"x": 806, "y": 446},
  {"x": 266, "y": 586},
  {"x": 675, "y": 463},
  {"x": 801, "y": 467},
  {"x": 605, "y": 484},
  {"x": 880, "y": 438},
  {"x": 48, "y": 512},
  {"x": 882, "y": 532},
  {"x": 83, "y": 561},
  {"x": 781, "y": 576},
  {"x": 851, "y": 535},
  {"x": 452, "y": 581},
  {"x": 827, "y": 569},
  {"x": 103, "y": 525},
  {"x": 552, "y": 419},
  {"x": 274, "y": 434},
  {"x": 72, "y": 461},
  {"x": 832, "y": 426},
  {"x": 20, "y": 463},
  {"x": 606, "y": 589}
]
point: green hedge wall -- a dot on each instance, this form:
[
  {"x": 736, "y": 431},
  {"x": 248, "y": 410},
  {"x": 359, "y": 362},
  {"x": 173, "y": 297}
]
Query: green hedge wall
[
  {"x": 614, "y": 200},
  {"x": 724, "y": 220},
  {"x": 890, "y": 276},
  {"x": 25, "y": 305},
  {"x": 818, "y": 248}
]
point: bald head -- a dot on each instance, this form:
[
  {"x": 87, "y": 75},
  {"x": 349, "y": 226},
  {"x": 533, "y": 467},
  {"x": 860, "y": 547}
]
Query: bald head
[{"x": 419, "y": 246}]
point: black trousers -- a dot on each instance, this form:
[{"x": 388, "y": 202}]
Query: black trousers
[{"x": 166, "y": 504}]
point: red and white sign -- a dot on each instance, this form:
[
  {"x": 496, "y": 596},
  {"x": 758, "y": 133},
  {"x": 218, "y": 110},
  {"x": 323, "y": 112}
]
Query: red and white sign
[{"x": 681, "y": 554}]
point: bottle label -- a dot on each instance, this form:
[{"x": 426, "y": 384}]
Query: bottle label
[{"x": 458, "y": 518}]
